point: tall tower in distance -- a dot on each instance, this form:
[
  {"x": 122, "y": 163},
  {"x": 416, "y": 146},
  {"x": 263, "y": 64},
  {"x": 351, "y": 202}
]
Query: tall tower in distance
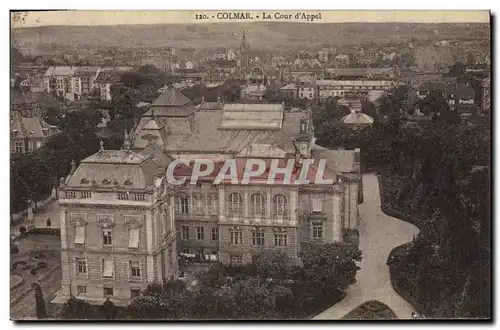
[{"x": 244, "y": 56}]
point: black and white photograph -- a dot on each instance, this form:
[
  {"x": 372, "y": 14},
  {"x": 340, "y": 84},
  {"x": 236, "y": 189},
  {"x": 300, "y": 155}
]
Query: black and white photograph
[{"x": 217, "y": 165}]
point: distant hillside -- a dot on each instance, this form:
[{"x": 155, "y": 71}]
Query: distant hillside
[{"x": 260, "y": 35}]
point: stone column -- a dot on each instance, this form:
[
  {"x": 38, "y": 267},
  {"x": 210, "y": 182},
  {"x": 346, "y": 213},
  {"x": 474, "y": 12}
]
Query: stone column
[
  {"x": 222, "y": 204},
  {"x": 190, "y": 204},
  {"x": 346, "y": 205},
  {"x": 66, "y": 264},
  {"x": 150, "y": 266},
  {"x": 149, "y": 232},
  {"x": 172, "y": 213},
  {"x": 293, "y": 207},
  {"x": 337, "y": 221},
  {"x": 207, "y": 207},
  {"x": 246, "y": 210},
  {"x": 64, "y": 237},
  {"x": 268, "y": 207},
  {"x": 353, "y": 205}
]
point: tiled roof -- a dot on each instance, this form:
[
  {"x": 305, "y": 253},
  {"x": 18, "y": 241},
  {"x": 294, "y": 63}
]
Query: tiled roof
[
  {"x": 32, "y": 127},
  {"x": 357, "y": 117},
  {"x": 289, "y": 87},
  {"x": 171, "y": 98},
  {"x": 108, "y": 168},
  {"x": 210, "y": 105},
  {"x": 115, "y": 157},
  {"x": 252, "y": 116},
  {"x": 153, "y": 124},
  {"x": 338, "y": 161},
  {"x": 261, "y": 150}
]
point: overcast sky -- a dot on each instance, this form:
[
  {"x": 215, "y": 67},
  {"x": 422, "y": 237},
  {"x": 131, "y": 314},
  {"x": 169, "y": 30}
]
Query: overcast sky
[{"x": 159, "y": 17}]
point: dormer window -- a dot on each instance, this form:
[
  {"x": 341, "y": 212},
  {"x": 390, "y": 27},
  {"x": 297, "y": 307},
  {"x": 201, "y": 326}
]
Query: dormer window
[
  {"x": 106, "y": 181},
  {"x": 15, "y": 132},
  {"x": 128, "y": 183},
  {"x": 84, "y": 181},
  {"x": 45, "y": 131}
]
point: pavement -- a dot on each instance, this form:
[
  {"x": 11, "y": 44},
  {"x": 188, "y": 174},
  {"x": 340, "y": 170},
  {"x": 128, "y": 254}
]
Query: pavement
[{"x": 379, "y": 234}]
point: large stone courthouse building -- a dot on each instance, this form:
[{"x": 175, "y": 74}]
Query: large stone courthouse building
[{"x": 124, "y": 226}]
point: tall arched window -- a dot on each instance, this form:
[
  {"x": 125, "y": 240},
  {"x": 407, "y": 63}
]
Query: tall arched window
[
  {"x": 280, "y": 207},
  {"x": 199, "y": 204},
  {"x": 235, "y": 204},
  {"x": 213, "y": 204},
  {"x": 257, "y": 205},
  {"x": 182, "y": 206}
]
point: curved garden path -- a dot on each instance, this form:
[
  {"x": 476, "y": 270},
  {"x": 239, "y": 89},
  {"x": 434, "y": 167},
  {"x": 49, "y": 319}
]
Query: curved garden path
[{"x": 378, "y": 235}]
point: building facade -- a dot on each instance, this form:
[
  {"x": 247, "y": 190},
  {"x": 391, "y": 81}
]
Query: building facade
[
  {"x": 112, "y": 193},
  {"x": 117, "y": 231},
  {"x": 374, "y": 89}
]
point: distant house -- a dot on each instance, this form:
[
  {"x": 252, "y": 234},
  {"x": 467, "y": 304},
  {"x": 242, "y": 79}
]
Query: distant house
[
  {"x": 307, "y": 91},
  {"x": 231, "y": 55},
  {"x": 424, "y": 88},
  {"x": 108, "y": 77},
  {"x": 290, "y": 91},
  {"x": 462, "y": 100},
  {"x": 253, "y": 93},
  {"x": 29, "y": 133}
]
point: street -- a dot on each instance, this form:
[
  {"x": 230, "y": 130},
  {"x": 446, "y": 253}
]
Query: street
[{"x": 379, "y": 234}]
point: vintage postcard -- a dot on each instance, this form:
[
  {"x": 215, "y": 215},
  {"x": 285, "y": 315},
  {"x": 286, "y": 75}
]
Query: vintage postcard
[{"x": 250, "y": 165}]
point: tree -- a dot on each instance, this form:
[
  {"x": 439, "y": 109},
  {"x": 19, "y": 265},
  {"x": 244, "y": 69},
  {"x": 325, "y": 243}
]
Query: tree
[
  {"x": 329, "y": 266},
  {"x": 76, "y": 309},
  {"x": 271, "y": 263},
  {"x": 41, "y": 310}
]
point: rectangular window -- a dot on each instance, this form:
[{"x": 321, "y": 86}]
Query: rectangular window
[
  {"x": 81, "y": 290},
  {"x": 182, "y": 205},
  {"x": 215, "y": 234},
  {"x": 280, "y": 238},
  {"x": 80, "y": 235},
  {"x": 258, "y": 237},
  {"x": 317, "y": 203},
  {"x": 200, "y": 233},
  {"x": 107, "y": 267},
  {"x": 81, "y": 266},
  {"x": 185, "y": 233},
  {"x": 134, "y": 293},
  {"x": 30, "y": 145},
  {"x": 199, "y": 208},
  {"x": 317, "y": 230},
  {"x": 107, "y": 237},
  {"x": 108, "y": 292},
  {"x": 133, "y": 242},
  {"x": 236, "y": 237},
  {"x": 86, "y": 194},
  {"x": 135, "y": 269},
  {"x": 213, "y": 204}
]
